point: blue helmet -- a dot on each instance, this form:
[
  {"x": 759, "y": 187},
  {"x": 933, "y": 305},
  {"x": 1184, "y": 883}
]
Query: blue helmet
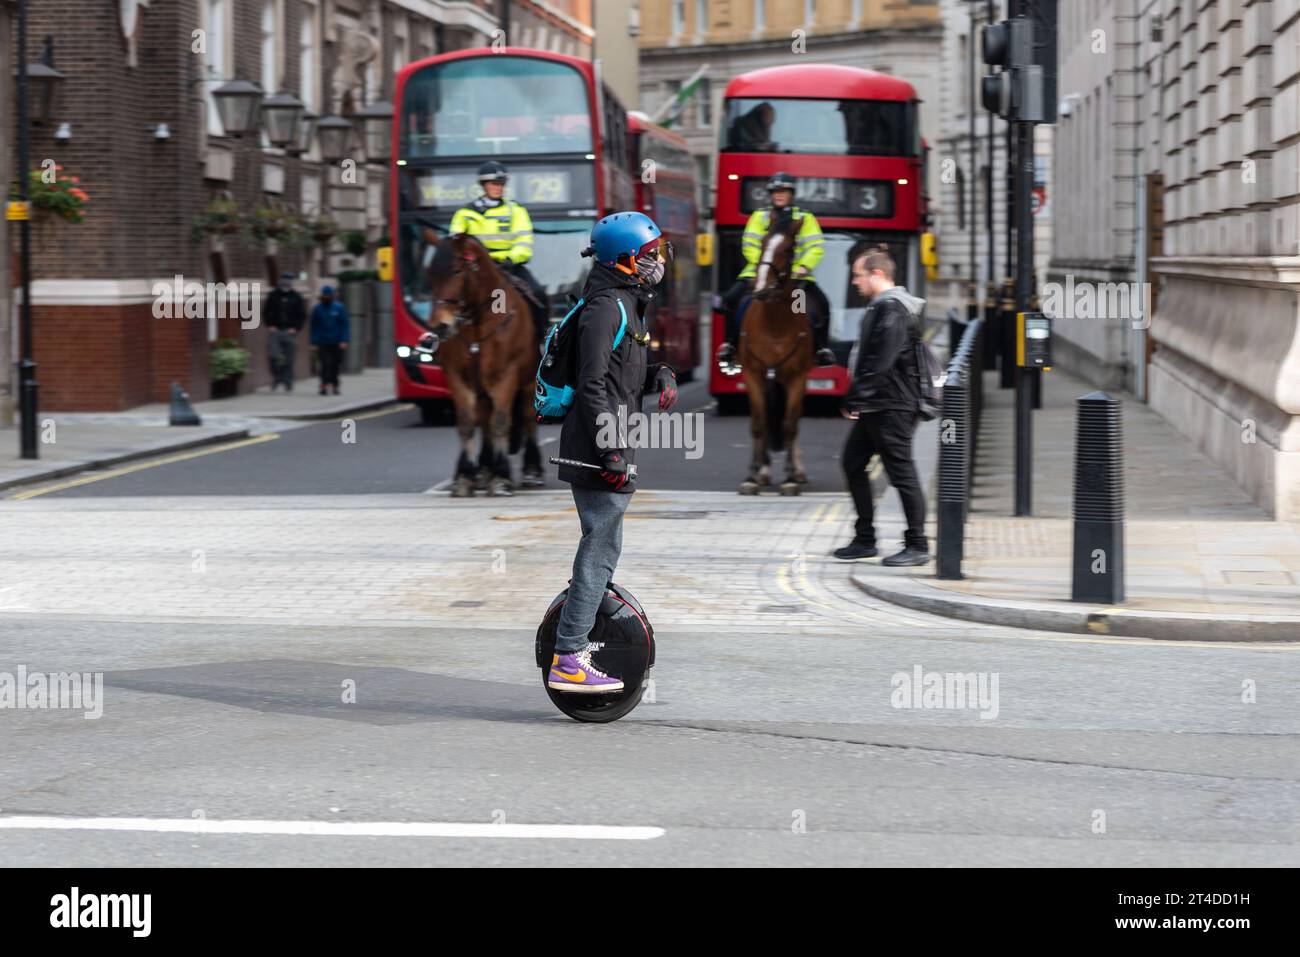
[{"x": 622, "y": 234}]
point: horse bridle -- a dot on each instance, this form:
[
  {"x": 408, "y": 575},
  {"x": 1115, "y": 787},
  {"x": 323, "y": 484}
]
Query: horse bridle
[{"x": 462, "y": 313}]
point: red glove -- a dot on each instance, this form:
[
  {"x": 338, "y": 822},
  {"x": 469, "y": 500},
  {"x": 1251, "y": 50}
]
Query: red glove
[
  {"x": 666, "y": 383},
  {"x": 615, "y": 472}
]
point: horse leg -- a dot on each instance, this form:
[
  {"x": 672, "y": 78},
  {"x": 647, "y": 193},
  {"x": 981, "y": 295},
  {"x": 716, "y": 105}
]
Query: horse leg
[
  {"x": 465, "y": 403},
  {"x": 794, "y": 473},
  {"x": 759, "y": 467},
  {"x": 533, "y": 475},
  {"x": 501, "y": 396},
  {"x": 487, "y": 448}
]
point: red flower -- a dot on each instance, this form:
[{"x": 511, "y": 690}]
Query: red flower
[{"x": 80, "y": 194}]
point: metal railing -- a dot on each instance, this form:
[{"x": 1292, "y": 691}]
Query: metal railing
[{"x": 959, "y": 423}]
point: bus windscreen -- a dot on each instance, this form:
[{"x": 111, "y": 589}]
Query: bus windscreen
[
  {"x": 835, "y": 127},
  {"x": 496, "y": 105}
]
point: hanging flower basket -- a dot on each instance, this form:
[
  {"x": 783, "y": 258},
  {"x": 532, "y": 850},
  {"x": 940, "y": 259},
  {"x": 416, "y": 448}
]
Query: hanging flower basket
[
  {"x": 53, "y": 193},
  {"x": 221, "y": 217}
]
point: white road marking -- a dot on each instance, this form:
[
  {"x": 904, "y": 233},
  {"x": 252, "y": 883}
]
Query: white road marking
[{"x": 570, "y": 832}]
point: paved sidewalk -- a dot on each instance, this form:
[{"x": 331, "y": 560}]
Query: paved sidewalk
[
  {"x": 72, "y": 442},
  {"x": 1202, "y": 560}
]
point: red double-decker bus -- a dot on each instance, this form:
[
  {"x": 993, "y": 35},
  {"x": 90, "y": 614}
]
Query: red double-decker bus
[
  {"x": 852, "y": 139},
  {"x": 666, "y": 191},
  {"x": 562, "y": 134}
]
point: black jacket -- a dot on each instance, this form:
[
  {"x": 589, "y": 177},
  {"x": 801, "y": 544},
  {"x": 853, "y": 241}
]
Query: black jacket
[
  {"x": 608, "y": 379},
  {"x": 284, "y": 310},
  {"x": 885, "y": 375}
]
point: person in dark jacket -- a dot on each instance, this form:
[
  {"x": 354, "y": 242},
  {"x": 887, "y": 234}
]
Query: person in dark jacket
[
  {"x": 884, "y": 401},
  {"x": 285, "y": 314},
  {"x": 630, "y": 259},
  {"x": 331, "y": 330}
]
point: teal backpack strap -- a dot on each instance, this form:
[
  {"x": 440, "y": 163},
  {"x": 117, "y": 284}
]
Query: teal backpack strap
[{"x": 622, "y": 326}]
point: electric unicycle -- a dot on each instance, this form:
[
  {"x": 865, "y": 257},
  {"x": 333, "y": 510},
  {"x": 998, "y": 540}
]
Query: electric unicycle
[{"x": 624, "y": 648}]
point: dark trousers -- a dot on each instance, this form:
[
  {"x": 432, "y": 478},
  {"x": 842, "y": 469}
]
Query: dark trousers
[
  {"x": 331, "y": 357},
  {"x": 819, "y": 310},
  {"x": 281, "y": 346},
  {"x": 539, "y": 309},
  {"x": 888, "y": 434}
]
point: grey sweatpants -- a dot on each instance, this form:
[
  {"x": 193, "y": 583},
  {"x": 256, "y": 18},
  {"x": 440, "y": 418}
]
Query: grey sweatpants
[{"x": 601, "y": 515}]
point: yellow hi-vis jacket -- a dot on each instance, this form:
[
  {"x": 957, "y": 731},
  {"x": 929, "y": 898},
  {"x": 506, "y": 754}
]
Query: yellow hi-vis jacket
[
  {"x": 809, "y": 244},
  {"x": 504, "y": 228}
]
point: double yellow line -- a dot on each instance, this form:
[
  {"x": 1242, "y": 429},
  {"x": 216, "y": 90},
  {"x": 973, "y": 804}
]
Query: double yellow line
[{"x": 141, "y": 466}]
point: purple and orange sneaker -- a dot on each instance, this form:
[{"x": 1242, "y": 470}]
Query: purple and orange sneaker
[{"x": 575, "y": 673}]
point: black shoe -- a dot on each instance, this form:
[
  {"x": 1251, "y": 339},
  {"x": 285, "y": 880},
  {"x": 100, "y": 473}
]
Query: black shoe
[
  {"x": 825, "y": 357},
  {"x": 855, "y": 552},
  {"x": 908, "y": 556}
]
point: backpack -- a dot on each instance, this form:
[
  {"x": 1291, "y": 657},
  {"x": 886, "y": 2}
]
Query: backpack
[
  {"x": 930, "y": 377},
  {"x": 557, "y": 373}
]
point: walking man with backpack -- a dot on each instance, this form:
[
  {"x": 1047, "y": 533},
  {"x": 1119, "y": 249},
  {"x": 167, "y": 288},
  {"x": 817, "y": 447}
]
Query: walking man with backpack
[
  {"x": 610, "y": 374},
  {"x": 885, "y": 402}
]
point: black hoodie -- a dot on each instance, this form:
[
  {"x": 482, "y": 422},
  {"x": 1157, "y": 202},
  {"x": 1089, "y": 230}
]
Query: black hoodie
[{"x": 608, "y": 378}]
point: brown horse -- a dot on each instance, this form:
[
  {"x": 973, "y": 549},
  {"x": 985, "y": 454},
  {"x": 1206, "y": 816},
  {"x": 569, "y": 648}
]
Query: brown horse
[
  {"x": 488, "y": 349},
  {"x": 776, "y": 354}
]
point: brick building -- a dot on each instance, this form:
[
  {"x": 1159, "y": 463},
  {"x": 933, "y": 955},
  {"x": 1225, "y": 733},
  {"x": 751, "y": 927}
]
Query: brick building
[{"x": 141, "y": 131}]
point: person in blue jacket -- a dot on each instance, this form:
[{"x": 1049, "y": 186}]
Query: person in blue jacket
[{"x": 331, "y": 330}]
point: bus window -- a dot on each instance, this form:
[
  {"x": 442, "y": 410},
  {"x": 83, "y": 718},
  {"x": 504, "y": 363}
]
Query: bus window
[
  {"x": 495, "y": 105},
  {"x": 855, "y": 127}
]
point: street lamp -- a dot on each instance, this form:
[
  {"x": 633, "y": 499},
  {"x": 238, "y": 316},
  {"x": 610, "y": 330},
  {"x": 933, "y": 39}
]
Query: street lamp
[
  {"x": 334, "y": 136},
  {"x": 43, "y": 83},
  {"x": 281, "y": 116},
  {"x": 301, "y": 145},
  {"x": 377, "y": 130},
  {"x": 238, "y": 103}
]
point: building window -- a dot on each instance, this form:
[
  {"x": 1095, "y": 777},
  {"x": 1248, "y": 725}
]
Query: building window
[
  {"x": 679, "y": 17},
  {"x": 673, "y": 87},
  {"x": 704, "y": 103},
  {"x": 809, "y": 12},
  {"x": 216, "y": 58},
  {"x": 270, "y": 64},
  {"x": 857, "y": 12},
  {"x": 308, "y": 90},
  {"x": 401, "y": 56},
  {"x": 701, "y": 17},
  {"x": 760, "y": 14}
]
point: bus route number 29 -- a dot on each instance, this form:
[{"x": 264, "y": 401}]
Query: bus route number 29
[{"x": 547, "y": 188}]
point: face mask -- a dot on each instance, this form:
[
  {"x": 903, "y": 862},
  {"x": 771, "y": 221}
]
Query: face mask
[{"x": 650, "y": 269}]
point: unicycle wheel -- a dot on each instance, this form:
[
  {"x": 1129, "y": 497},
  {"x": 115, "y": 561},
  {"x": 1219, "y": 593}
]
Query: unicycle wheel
[{"x": 624, "y": 642}]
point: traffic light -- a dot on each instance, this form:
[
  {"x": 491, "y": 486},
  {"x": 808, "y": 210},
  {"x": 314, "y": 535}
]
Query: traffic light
[{"x": 1020, "y": 91}]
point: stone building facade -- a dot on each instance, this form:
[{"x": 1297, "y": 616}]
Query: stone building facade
[
  {"x": 1180, "y": 165},
  {"x": 132, "y": 66},
  {"x": 735, "y": 36}
]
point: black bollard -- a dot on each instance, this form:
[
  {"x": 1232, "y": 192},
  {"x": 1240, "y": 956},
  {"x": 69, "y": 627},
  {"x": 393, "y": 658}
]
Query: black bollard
[
  {"x": 1099, "y": 501},
  {"x": 954, "y": 468},
  {"x": 182, "y": 413}
]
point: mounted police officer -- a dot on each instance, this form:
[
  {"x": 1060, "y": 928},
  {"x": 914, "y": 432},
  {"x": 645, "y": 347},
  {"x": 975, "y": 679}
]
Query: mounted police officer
[
  {"x": 809, "y": 247},
  {"x": 506, "y": 230}
]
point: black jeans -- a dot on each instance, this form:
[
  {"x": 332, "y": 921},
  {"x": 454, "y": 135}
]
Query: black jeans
[
  {"x": 890, "y": 435},
  {"x": 540, "y": 309},
  {"x": 281, "y": 347},
  {"x": 331, "y": 357}
]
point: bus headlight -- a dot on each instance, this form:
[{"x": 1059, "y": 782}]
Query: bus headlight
[{"x": 403, "y": 352}]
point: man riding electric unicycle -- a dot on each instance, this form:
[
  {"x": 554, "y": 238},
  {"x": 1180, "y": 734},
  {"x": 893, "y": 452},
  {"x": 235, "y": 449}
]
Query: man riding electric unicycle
[{"x": 595, "y": 645}]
